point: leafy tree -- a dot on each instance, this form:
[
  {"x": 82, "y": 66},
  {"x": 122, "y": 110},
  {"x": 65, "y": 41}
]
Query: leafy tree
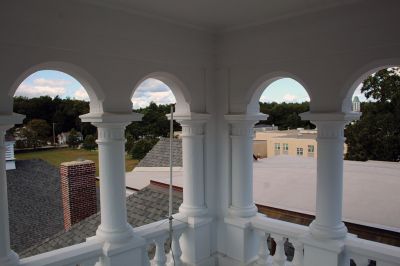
[
  {"x": 63, "y": 112},
  {"x": 376, "y": 136},
  {"x": 285, "y": 115},
  {"x": 36, "y": 132},
  {"x": 142, "y": 147},
  {"x": 154, "y": 123},
  {"x": 73, "y": 140},
  {"x": 89, "y": 143}
]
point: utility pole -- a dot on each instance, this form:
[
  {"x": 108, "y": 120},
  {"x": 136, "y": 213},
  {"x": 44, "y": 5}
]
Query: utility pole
[{"x": 54, "y": 135}]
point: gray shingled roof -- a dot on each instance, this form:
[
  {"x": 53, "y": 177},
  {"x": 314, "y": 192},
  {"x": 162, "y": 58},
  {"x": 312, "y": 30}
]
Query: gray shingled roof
[
  {"x": 159, "y": 155},
  {"x": 146, "y": 206},
  {"x": 34, "y": 199}
]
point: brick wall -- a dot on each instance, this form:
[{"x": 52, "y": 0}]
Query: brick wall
[{"x": 78, "y": 190}]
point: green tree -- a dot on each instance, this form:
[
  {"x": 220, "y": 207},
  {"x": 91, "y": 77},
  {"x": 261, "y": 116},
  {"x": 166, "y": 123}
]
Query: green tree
[
  {"x": 154, "y": 123},
  {"x": 285, "y": 115},
  {"x": 89, "y": 143},
  {"x": 376, "y": 136},
  {"x": 142, "y": 147},
  {"x": 73, "y": 140},
  {"x": 36, "y": 132}
]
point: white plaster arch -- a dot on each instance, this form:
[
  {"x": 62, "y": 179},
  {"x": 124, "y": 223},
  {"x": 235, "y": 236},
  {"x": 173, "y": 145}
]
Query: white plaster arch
[
  {"x": 359, "y": 75},
  {"x": 258, "y": 87},
  {"x": 177, "y": 87},
  {"x": 88, "y": 82}
]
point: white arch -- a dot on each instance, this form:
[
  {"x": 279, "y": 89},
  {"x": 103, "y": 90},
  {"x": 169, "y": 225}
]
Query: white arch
[
  {"x": 360, "y": 75},
  {"x": 89, "y": 83},
  {"x": 177, "y": 87},
  {"x": 258, "y": 87}
]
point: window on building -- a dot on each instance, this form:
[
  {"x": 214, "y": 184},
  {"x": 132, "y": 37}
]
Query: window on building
[
  {"x": 311, "y": 148},
  {"x": 277, "y": 146},
  {"x": 285, "y": 148},
  {"x": 300, "y": 151}
]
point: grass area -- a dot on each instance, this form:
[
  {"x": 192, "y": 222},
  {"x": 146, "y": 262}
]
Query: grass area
[{"x": 57, "y": 156}]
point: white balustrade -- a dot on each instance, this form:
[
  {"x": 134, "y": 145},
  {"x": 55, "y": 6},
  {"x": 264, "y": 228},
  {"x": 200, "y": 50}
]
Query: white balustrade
[
  {"x": 298, "y": 258},
  {"x": 84, "y": 254},
  {"x": 279, "y": 232},
  {"x": 279, "y": 256},
  {"x": 157, "y": 233},
  {"x": 362, "y": 252},
  {"x": 264, "y": 257}
]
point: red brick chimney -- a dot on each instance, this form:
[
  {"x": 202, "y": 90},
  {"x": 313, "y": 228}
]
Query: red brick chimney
[{"x": 78, "y": 189}]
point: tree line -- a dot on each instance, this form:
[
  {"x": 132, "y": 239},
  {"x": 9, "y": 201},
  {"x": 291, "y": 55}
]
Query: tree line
[{"x": 376, "y": 136}]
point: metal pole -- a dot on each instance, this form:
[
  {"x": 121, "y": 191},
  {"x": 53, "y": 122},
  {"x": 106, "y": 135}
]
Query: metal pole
[
  {"x": 54, "y": 135},
  {"x": 171, "y": 135}
]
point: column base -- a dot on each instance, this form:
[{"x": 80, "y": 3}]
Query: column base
[
  {"x": 190, "y": 211},
  {"x": 241, "y": 241},
  {"x": 244, "y": 212},
  {"x": 324, "y": 232},
  {"x": 196, "y": 240},
  {"x": 115, "y": 236},
  {"x": 11, "y": 260},
  {"x": 324, "y": 252}
]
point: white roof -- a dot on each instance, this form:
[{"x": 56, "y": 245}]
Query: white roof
[{"x": 370, "y": 197}]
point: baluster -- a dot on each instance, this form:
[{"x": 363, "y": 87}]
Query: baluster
[
  {"x": 298, "y": 258},
  {"x": 264, "y": 257},
  {"x": 361, "y": 261},
  {"x": 279, "y": 256},
  {"x": 160, "y": 258},
  {"x": 145, "y": 257},
  {"x": 176, "y": 252},
  {"x": 89, "y": 262}
]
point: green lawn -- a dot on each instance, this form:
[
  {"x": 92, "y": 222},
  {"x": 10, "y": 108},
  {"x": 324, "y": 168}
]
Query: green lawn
[{"x": 57, "y": 156}]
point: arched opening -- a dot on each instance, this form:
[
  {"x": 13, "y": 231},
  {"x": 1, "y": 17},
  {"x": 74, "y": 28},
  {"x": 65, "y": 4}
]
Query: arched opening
[
  {"x": 372, "y": 156},
  {"x": 285, "y": 152},
  {"x": 44, "y": 199},
  {"x": 148, "y": 140}
]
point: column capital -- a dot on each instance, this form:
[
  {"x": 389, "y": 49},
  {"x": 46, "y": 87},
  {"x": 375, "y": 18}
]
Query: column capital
[
  {"x": 111, "y": 118},
  {"x": 9, "y": 120},
  {"x": 330, "y": 125},
  {"x": 242, "y": 124},
  {"x": 192, "y": 123}
]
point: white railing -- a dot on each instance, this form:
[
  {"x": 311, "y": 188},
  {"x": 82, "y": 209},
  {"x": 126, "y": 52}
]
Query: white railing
[
  {"x": 362, "y": 252},
  {"x": 279, "y": 232},
  {"x": 157, "y": 234},
  {"x": 84, "y": 254},
  {"x": 89, "y": 253}
]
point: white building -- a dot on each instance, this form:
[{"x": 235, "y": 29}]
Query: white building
[
  {"x": 10, "y": 157},
  {"x": 356, "y": 104},
  {"x": 217, "y": 57}
]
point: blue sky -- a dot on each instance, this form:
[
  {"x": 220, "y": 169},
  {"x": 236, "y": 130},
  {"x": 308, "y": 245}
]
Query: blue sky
[{"x": 53, "y": 83}]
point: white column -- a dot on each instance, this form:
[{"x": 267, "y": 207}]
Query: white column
[
  {"x": 111, "y": 146},
  {"x": 121, "y": 245},
  {"x": 326, "y": 243},
  {"x": 242, "y": 132},
  {"x": 330, "y": 141},
  {"x": 242, "y": 242},
  {"x": 193, "y": 164},
  {"x": 196, "y": 239},
  {"x": 7, "y": 256}
]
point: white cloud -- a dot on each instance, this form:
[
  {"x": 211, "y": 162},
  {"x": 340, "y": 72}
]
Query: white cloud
[
  {"x": 152, "y": 90},
  {"x": 39, "y": 89},
  {"x": 51, "y": 82},
  {"x": 289, "y": 97},
  {"x": 81, "y": 94}
]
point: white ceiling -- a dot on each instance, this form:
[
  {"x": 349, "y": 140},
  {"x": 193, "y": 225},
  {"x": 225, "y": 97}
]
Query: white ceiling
[{"x": 221, "y": 14}]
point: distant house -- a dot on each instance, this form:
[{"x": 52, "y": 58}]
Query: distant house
[
  {"x": 356, "y": 104},
  {"x": 63, "y": 137},
  {"x": 10, "y": 157}
]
